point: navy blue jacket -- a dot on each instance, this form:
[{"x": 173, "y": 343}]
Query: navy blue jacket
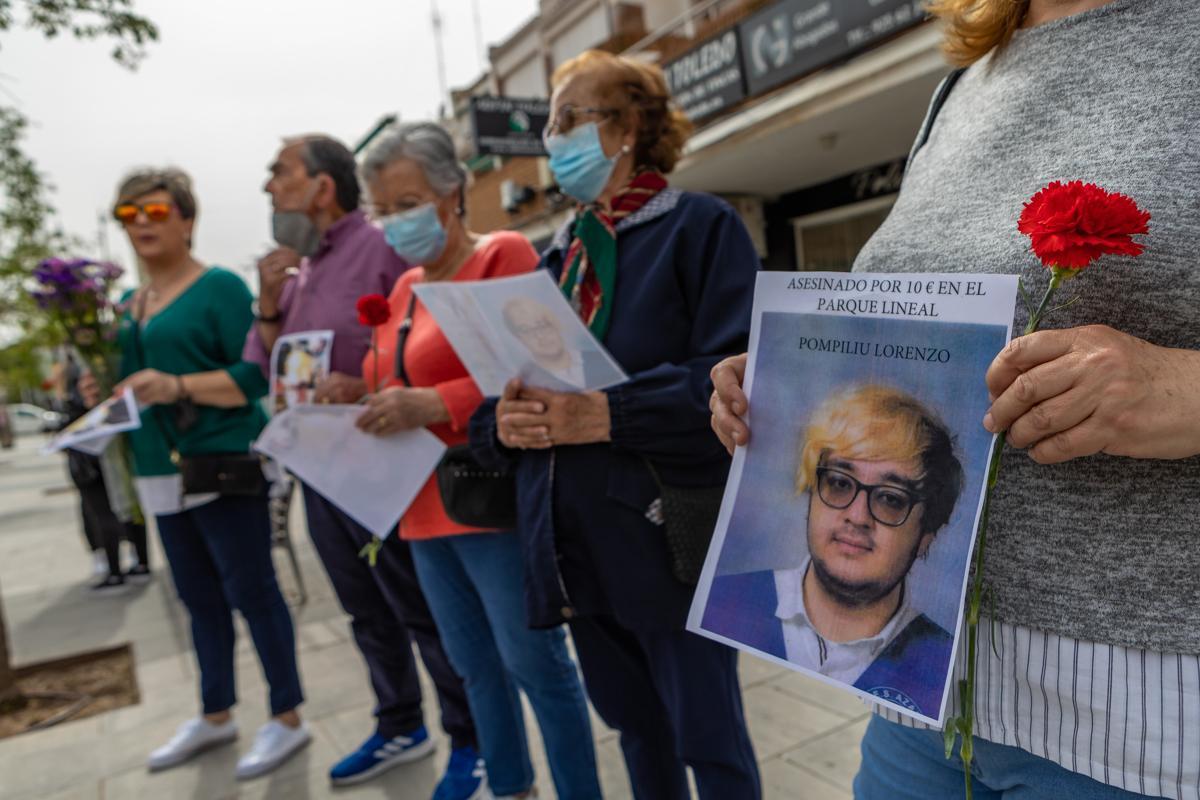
[
  {"x": 684, "y": 290},
  {"x": 910, "y": 672}
]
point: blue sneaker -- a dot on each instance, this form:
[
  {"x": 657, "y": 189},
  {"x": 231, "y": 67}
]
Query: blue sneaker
[
  {"x": 465, "y": 777},
  {"x": 379, "y": 754}
]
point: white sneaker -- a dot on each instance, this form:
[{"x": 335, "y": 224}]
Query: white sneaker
[
  {"x": 274, "y": 744},
  {"x": 193, "y": 737},
  {"x": 99, "y": 564}
]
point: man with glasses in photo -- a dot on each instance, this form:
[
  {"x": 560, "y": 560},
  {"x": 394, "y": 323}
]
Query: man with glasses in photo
[{"x": 882, "y": 479}]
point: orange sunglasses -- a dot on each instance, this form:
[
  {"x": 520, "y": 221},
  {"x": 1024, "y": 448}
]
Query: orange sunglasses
[{"x": 155, "y": 212}]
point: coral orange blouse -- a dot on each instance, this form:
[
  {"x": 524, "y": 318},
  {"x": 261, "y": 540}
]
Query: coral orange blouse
[{"x": 431, "y": 362}]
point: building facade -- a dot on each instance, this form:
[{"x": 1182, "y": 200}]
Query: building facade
[{"x": 805, "y": 111}]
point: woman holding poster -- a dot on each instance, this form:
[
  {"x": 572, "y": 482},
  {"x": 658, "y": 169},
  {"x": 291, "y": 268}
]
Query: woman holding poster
[
  {"x": 664, "y": 280},
  {"x": 181, "y": 338},
  {"x": 1089, "y": 656},
  {"x": 471, "y": 574}
]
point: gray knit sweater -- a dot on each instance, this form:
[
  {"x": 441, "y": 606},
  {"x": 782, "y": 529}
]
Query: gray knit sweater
[{"x": 1101, "y": 549}]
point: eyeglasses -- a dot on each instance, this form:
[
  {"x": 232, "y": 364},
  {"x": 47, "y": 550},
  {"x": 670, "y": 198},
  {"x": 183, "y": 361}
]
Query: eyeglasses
[
  {"x": 126, "y": 213},
  {"x": 889, "y": 505},
  {"x": 534, "y": 329},
  {"x": 567, "y": 117}
]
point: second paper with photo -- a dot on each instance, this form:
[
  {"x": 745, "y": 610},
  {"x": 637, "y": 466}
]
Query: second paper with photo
[{"x": 520, "y": 327}]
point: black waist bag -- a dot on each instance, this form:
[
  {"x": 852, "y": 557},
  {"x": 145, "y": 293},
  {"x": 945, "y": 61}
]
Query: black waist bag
[
  {"x": 474, "y": 495},
  {"x": 689, "y": 519},
  {"x": 226, "y": 474}
]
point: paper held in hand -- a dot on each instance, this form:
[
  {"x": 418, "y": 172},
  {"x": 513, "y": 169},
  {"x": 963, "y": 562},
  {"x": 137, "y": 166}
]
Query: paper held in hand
[
  {"x": 519, "y": 327},
  {"x": 92, "y": 432},
  {"x": 374, "y": 479},
  {"x": 845, "y": 535},
  {"x": 299, "y": 361}
]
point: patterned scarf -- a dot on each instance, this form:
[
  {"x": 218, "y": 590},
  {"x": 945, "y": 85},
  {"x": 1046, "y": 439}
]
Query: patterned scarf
[{"x": 590, "y": 274}]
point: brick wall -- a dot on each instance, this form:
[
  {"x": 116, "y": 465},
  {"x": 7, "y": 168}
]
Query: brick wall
[{"x": 484, "y": 211}]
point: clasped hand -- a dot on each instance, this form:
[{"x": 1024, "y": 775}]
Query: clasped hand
[{"x": 537, "y": 419}]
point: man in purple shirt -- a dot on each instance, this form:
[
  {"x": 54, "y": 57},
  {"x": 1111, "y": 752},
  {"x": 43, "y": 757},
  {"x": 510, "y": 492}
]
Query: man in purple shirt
[{"x": 330, "y": 255}]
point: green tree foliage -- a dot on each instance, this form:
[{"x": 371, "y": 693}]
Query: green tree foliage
[
  {"x": 26, "y": 231},
  {"x": 85, "y": 19}
]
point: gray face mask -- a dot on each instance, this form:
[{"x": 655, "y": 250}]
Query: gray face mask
[{"x": 294, "y": 229}]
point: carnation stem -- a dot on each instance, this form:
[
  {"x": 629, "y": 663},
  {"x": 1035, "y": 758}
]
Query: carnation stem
[{"x": 964, "y": 724}]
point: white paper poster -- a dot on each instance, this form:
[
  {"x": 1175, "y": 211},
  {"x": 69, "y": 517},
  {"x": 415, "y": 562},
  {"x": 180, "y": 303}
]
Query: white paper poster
[
  {"x": 520, "y": 327},
  {"x": 374, "y": 479},
  {"x": 299, "y": 361},
  {"x": 845, "y": 535},
  {"x": 95, "y": 429}
]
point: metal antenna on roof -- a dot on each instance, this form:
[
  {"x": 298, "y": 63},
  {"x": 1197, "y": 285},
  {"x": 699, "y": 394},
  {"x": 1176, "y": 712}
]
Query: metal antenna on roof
[
  {"x": 480, "y": 50},
  {"x": 443, "y": 91}
]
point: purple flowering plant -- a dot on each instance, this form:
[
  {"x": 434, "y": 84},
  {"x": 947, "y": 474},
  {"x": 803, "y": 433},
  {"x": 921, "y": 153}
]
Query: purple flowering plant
[{"x": 76, "y": 294}]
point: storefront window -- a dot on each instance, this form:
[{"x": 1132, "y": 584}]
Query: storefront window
[{"x": 830, "y": 240}]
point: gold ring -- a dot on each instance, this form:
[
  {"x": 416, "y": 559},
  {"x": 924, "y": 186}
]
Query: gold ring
[{"x": 382, "y": 422}]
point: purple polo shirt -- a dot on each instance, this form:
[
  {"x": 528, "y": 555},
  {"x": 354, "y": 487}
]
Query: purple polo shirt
[{"x": 353, "y": 259}]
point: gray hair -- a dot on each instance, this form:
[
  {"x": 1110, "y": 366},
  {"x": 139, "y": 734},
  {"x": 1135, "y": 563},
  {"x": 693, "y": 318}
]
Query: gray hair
[
  {"x": 429, "y": 145},
  {"x": 325, "y": 155}
]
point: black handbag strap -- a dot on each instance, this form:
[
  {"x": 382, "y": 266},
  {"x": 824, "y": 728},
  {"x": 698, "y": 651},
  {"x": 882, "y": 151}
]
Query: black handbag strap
[
  {"x": 935, "y": 107},
  {"x": 402, "y": 341}
]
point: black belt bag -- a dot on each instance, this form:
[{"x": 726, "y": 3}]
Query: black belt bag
[
  {"x": 474, "y": 495},
  {"x": 226, "y": 474},
  {"x": 689, "y": 516}
]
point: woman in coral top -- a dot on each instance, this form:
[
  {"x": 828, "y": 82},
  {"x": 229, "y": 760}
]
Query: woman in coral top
[{"x": 472, "y": 578}]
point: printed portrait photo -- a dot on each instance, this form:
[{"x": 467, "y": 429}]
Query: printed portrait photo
[
  {"x": 846, "y": 550},
  {"x": 299, "y": 362}
]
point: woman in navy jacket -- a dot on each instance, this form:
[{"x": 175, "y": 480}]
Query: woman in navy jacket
[{"x": 665, "y": 280}]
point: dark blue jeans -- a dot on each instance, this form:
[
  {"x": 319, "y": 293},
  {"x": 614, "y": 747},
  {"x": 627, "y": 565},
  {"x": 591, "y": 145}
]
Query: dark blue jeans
[
  {"x": 387, "y": 612},
  {"x": 220, "y": 558},
  {"x": 675, "y": 699},
  {"x": 902, "y": 763},
  {"x": 474, "y": 587}
]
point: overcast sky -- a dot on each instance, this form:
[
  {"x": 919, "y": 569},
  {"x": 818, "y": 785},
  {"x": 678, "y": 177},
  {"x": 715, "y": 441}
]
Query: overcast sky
[{"x": 226, "y": 81}]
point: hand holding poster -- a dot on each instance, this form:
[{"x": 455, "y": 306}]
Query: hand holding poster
[
  {"x": 117, "y": 414},
  {"x": 520, "y": 327},
  {"x": 845, "y": 534},
  {"x": 373, "y": 479}
]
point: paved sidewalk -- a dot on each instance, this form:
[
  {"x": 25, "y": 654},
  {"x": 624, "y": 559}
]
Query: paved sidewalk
[{"x": 805, "y": 734}]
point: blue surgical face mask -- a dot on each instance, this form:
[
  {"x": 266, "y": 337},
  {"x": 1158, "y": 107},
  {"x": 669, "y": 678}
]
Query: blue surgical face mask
[
  {"x": 416, "y": 235},
  {"x": 578, "y": 162}
]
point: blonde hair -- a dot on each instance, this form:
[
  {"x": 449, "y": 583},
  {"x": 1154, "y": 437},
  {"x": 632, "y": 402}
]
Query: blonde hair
[
  {"x": 632, "y": 85},
  {"x": 973, "y": 28},
  {"x": 879, "y": 423}
]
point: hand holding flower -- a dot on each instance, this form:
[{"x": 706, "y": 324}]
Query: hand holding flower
[
  {"x": 397, "y": 409},
  {"x": 1076, "y": 392}
]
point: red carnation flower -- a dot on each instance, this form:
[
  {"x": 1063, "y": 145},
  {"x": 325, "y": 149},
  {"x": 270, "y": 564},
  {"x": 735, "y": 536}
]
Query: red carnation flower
[
  {"x": 1073, "y": 224},
  {"x": 373, "y": 310}
]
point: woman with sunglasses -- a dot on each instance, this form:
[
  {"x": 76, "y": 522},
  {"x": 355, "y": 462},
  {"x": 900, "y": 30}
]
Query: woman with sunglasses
[
  {"x": 181, "y": 341},
  {"x": 664, "y": 279}
]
